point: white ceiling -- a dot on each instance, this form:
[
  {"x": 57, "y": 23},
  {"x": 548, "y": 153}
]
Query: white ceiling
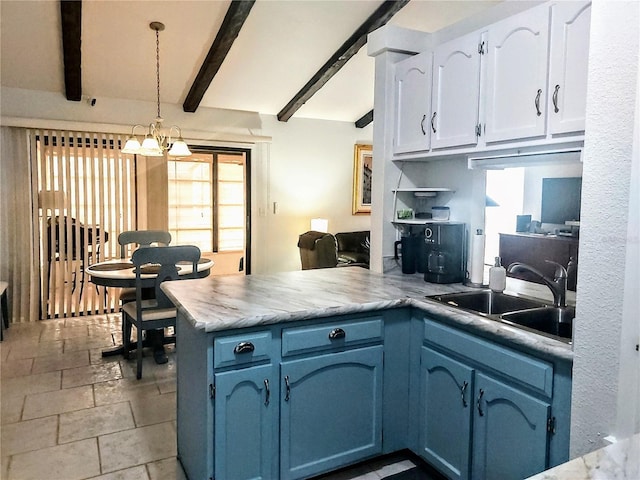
[{"x": 281, "y": 45}]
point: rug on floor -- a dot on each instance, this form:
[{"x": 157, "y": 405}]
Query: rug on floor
[{"x": 415, "y": 473}]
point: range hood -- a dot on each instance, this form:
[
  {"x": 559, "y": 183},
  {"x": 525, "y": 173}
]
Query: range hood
[{"x": 525, "y": 157}]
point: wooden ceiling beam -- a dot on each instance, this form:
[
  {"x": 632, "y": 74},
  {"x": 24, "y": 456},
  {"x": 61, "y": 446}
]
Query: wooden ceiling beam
[
  {"x": 71, "y": 20},
  {"x": 365, "y": 120},
  {"x": 233, "y": 20},
  {"x": 348, "y": 49}
]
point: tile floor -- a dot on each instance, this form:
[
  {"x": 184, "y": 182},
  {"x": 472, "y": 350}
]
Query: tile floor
[{"x": 69, "y": 414}]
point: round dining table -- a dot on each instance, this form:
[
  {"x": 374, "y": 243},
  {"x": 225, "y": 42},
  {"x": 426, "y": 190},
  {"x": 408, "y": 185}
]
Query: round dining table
[{"x": 120, "y": 273}]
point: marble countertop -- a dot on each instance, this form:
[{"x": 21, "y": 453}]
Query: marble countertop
[
  {"x": 620, "y": 461},
  {"x": 220, "y": 303}
]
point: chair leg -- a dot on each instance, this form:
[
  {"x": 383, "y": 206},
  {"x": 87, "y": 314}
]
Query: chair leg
[
  {"x": 126, "y": 339},
  {"x": 139, "y": 353}
]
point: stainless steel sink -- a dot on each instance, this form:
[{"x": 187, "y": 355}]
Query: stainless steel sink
[
  {"x": 556, "y": 321},
  {"x": 487, "y": 302},
  {"x": 522, "y": 312}
]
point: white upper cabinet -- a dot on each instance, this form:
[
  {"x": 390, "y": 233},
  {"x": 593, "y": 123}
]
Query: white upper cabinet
[
  {"x": 412, "y": 84},
  {"x": 570, "y": 25},
  {"x": 456, "y": 90},
  {"x": 516, "y": 75}
]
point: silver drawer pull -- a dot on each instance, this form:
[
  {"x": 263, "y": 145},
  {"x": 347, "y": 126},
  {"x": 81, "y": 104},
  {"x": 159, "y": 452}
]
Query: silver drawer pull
[
  {"x": 337, "y": 333},
  {"x": 244, "y": 347}
]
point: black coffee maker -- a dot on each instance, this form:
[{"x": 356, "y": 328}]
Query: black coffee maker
[{"x": 444, "y": 251}]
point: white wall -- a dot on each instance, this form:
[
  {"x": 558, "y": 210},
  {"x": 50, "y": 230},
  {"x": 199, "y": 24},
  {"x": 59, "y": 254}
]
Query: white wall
[
  {"x": 604, "y": 245},
  {"x": 305, "y": 166},
  {"x": 310, "y": 174}
]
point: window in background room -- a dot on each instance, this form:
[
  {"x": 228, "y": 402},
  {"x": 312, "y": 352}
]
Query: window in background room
[{"x": 208, "y": 205}]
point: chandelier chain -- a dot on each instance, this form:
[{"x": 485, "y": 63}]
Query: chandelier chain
[{"x": 158, "y": 69}]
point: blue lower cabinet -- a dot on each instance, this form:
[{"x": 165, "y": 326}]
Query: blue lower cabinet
[
  {"x": 246, "y": 416},
  {"x": 445, "y": 413},
  {"x": 510, "y": 437},
  {"x": 331, "y": 411}
]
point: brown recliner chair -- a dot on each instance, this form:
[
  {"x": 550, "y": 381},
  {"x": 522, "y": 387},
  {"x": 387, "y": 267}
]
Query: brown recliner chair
[{"x": 317, "y": 250}]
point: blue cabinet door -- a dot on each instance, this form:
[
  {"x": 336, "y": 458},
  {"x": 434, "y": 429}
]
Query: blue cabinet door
[
  {"x": 246, "y": 408},
  {"x": 331, "y": 411},
  {"x": 446, "y": 410},
  {"x": 510, "y": 439}
]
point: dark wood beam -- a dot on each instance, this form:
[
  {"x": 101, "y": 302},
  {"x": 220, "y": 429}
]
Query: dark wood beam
[
  {"x": 365, "y": 120},
  {"x": 229, "y": 30},
  {"x": 348, "y": 49},
  {"x": 71, "y": 19}
]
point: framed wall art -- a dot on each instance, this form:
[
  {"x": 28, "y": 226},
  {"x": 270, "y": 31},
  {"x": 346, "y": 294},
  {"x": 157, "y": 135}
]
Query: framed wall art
[{"x": 362, "y": 170}]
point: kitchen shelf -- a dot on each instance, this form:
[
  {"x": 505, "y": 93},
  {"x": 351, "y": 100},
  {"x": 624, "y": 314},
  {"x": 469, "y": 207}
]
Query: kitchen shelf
[{"x": 423, "y": 191}]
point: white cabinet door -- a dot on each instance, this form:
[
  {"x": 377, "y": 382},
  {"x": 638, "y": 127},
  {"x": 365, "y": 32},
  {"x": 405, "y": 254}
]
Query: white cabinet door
[
  {"x": 456, "y": 91},
  {"x": 570, "y": 25},
  {"x": 517, "y": 76},
  {"x": 413, "y": 104}
]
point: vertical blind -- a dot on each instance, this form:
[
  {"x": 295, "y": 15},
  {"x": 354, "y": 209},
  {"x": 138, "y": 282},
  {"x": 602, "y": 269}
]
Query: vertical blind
[{"x": 86, "y": 197}]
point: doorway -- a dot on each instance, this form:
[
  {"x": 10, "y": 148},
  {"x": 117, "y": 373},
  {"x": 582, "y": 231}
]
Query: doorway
[{"x": 209, "y": 206}]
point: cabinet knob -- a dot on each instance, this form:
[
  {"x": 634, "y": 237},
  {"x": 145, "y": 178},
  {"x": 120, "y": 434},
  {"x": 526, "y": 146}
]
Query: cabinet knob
[
  {"x": 244, "y": 347},
  {"x": 337, "y": 333}
]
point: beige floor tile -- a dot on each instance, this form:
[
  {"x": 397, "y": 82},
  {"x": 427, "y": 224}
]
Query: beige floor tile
[
  {"x": 29, "y": 435},
  {"x": 16, "y": 368},
  {"x": 4, "y": 467},
  {"x": 65, "y": 333},
  {"x": 92, "y": 422},
  {"x": 40, "y": 349},
  {"x": 135, "y": 473},
  {"x": 73, "y": 461},
  {"x": 117, "y": 391},
  {"x": 4, "y": 351},
  {"x": 396, "y": 466},
  {"x": 150, "y": 369},
  {"x": 87, "y": 343},
  {"x": 136, "y": 447},
  {"x": 167, "y": 385},
  {"x": 168, "y": 469},
  {"x": 11, "y": 409},
  {"x": 50, "y": 403},
  {"x": 60, "y": 362},
  {"x": 30, "y": 384},
  {"x": 74, "y": 377},
  {"x": 154, "y": 410}
]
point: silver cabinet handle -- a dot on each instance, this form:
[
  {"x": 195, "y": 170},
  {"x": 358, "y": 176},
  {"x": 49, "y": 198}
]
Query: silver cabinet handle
[
  {"x": 555, "y": 99},
  {"x": 244, "y": 347},
  {"x": 287, "y": 388},
  {"x": 424, "y": 117},
  {"x": 268, "y": 392},
  {"x": 463, "y": 389},
  {"x": 433, "y": 119},
  {"x": 337, "y": 333},
  {"x": 480, "y": 412},
  {"x": 538, "y": 102}
]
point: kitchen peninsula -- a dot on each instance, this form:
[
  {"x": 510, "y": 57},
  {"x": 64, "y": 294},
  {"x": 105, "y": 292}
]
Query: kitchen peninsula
[{"x": 295, "y": 374}]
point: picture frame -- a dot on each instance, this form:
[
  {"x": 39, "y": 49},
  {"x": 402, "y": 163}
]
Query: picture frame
[{"x": 362, "y": 175}]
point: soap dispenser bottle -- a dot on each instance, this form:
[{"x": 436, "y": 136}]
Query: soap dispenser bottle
[{"x": 497, "y": 277}]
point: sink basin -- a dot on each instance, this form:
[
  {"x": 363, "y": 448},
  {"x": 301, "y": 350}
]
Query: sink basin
[
  {"x": 487, "y": 302},
  {"x": 556, "y": 321}
]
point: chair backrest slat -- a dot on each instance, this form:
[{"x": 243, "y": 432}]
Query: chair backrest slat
[
  {"x": 143, "y": 238},
  {"x": 166, "y": 260}
]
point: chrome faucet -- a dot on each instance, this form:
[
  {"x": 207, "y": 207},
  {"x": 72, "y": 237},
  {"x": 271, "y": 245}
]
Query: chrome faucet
[{"x": 558, "y": 285}]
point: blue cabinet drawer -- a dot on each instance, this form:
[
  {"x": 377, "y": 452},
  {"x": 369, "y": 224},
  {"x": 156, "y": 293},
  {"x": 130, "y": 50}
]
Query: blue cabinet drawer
[
  {"x": 527, "y": 370},
  {"x": 334, "y": 335},
  {"x": 241, "y": 349}
]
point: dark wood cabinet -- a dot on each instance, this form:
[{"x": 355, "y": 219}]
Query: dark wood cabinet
[{"x": 534, "y": 249}]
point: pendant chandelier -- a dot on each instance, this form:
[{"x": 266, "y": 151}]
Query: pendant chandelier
[{"x": 156, "y": 142}]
